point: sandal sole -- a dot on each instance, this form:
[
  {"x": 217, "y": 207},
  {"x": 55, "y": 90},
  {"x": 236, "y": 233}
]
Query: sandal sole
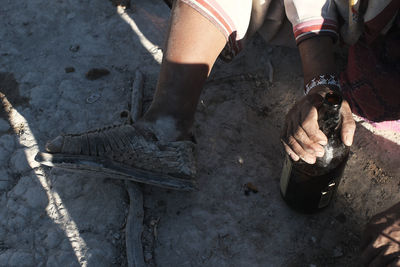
[{"x": 104, "y": 167}]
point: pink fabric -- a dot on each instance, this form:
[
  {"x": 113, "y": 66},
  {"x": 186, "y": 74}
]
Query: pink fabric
[{"x": 393, "y": 126}]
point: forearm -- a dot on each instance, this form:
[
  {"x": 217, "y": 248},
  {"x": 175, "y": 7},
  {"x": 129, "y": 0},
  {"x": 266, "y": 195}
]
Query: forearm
[
  {"x": 317, "y": 57},
  {"x": 302, "y": 137}
]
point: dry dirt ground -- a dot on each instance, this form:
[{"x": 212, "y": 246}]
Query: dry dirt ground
[{"x": 54, "y": 218}]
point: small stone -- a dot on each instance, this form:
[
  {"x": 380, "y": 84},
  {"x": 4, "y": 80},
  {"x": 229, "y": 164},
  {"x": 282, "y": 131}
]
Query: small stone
[
  {"x": 250, "y": 187},
  {"x": 69, "y": 69},
  {"x": 74, "y": 48},
  {"x": 96, "y": 73}
]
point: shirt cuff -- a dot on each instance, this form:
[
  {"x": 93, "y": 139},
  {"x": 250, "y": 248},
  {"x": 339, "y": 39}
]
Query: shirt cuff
[{"x": 315, "y": 27}]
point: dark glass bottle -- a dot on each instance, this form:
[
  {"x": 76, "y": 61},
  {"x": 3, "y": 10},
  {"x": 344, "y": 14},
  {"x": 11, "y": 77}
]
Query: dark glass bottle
[{"x": 309, "y": 188}]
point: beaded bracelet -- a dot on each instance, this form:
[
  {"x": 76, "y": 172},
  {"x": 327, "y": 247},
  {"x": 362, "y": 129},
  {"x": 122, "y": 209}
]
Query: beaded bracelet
[{"x": 328, "y": 79}]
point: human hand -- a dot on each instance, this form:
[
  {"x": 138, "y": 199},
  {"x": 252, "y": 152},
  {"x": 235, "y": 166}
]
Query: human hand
[
  {"x": 302, "y": 137},
  {"x": 381, "y": 240}
]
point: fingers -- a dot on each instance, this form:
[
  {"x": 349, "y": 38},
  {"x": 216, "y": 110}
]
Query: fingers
[
  {"x": 311, "y": 127},
  {"x": 348, "y": 124},
  {"x": 371, "y": 253},
  {"x": 308, "y": 145},
  {"x": 290, "y": 152},
  {"x": 299, "y": 150},
  {"x": 299, "y": 143},
  {"x": 381, "y": 252},
  {"x": 382, "y": 239},
  {"x": 302, "y": 137},
  {"x": 294, "y": 149}
]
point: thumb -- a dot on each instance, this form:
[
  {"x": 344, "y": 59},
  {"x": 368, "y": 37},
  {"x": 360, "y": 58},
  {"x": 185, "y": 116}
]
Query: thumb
[{"x": 348, "y": 124}]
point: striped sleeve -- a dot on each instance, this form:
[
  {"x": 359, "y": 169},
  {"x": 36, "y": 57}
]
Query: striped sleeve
[
  {"x": 231, "y": 17},
  {"x": 312, "y": 18}
]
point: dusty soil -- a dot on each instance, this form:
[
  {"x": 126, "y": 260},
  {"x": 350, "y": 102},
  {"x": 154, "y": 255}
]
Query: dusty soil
[{"x": 52, "y": 218}]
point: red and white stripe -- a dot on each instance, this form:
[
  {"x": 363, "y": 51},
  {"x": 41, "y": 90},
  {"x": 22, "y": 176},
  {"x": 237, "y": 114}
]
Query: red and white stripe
[
  {"x": 216, "y": 14},
  {"x": 315, "y": 27}
]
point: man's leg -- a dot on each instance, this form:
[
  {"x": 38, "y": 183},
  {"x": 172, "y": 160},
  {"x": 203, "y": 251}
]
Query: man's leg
[{"x": 192, "y": 46}]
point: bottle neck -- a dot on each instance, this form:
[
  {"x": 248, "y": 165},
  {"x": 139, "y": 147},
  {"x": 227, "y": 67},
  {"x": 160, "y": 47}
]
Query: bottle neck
[{"x": 329, "y": 119}]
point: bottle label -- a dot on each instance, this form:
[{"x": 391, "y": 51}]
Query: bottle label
[
  {"x": 286, "y": 170},
  {"x": 326, "y": 195}
]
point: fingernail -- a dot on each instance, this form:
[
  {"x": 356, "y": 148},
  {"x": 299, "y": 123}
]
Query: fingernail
[
  {"x": 294, "y": 157},
  {"x": 319, "y": 153},
  {"x": 309, "y": 160},
  {"x": 347, "y": 140},
  {"x": 322, "y": 142}
]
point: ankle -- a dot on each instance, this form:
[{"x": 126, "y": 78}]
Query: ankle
[{"x": 166, "y": 128}]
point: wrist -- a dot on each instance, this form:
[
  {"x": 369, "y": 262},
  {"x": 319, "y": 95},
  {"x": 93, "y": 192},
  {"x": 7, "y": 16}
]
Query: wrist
[{"x": 317, "y": 57}]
